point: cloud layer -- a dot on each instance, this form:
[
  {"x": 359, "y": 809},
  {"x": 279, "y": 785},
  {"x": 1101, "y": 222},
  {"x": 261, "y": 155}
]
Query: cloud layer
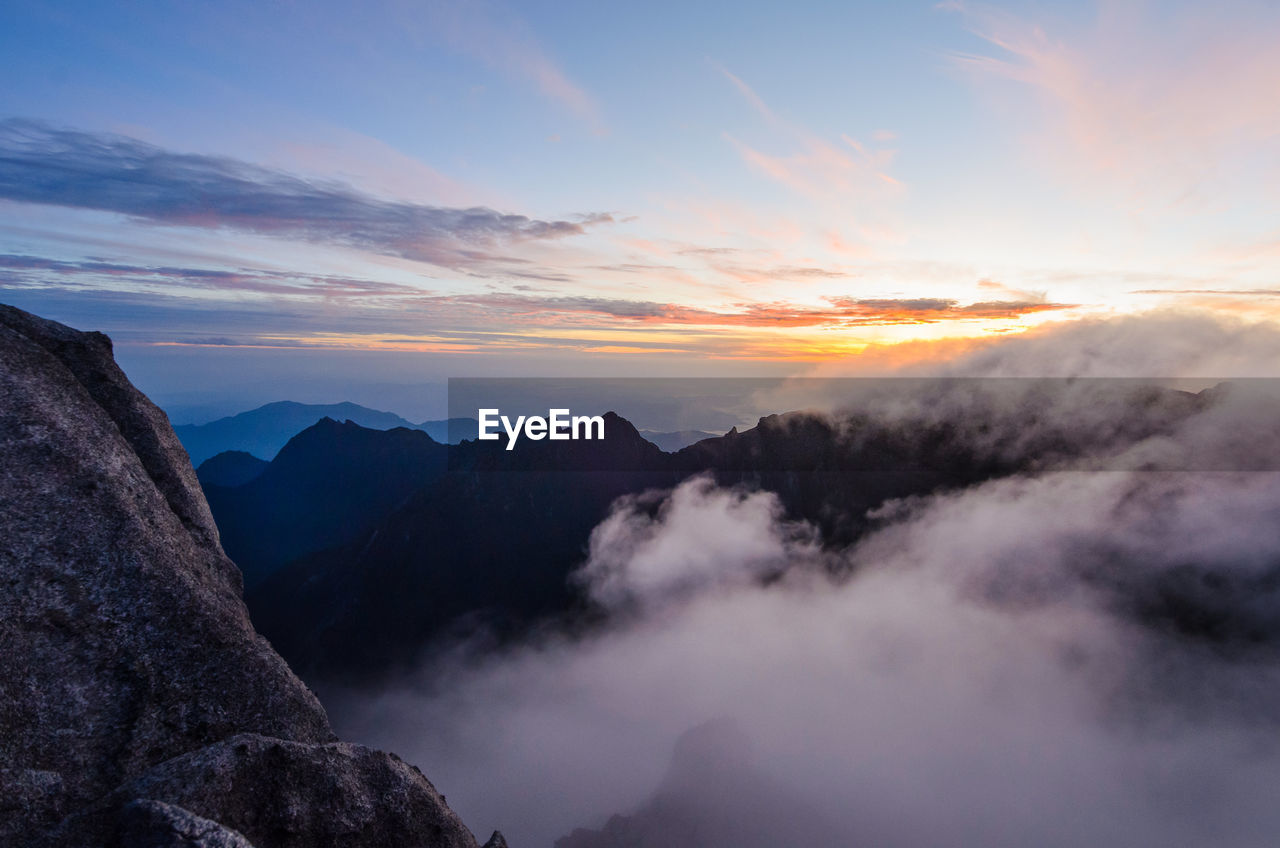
[
  {"x": 1064, "y": 659},
  {"x": 111, "y": 173}
]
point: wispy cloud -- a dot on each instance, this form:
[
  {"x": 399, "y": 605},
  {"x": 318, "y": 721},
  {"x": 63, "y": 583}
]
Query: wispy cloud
[
  {"x": 1232, "y": 292},
  {"x": 498, "y": 38},
  {"x": 840, "y": 311},
  {"x": 257, "y": 307},
  {"x": 815, "y": 167},
  {"x": 111, "y": 173},
  {"x": 1160, "y": 102},
  {"x": 35, "y": 271},
  {"x": 748, "y": 93}
]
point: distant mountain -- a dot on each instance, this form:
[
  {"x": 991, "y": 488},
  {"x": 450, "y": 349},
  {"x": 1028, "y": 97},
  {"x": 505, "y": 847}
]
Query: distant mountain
[
  {"x": 230, "y": 468},
  {"x": 327, "y": 486},
  {"x": 674, "y": 441},
  {"x": 489, "y": 542},
  {"x": 714, "y": 795},
  {"x": 264, "y": 431},
  {"x": 351, "y": 575},
  {"x": 450, "y": 431}
]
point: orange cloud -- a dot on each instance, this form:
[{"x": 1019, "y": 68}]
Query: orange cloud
[{"x": 840, "y": 311}]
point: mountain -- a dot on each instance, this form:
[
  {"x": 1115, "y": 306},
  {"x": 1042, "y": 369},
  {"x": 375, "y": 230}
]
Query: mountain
[
  {"x": 487, "y": 546},
  {"x": 713, "y": 796},
  {"x": 327, "y": 486},
  {"x": 450, "y": 431},
  {"x": 265, "y": 430},
  {"x": 138, "y": 706},
  {"x": 230, "y": 469},
  {"x": 674, "y": 441}
]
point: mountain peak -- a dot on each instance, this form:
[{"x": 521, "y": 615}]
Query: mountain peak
[
  {"x": 230, "y": 468},
  {"x": 264, "y": 431}
]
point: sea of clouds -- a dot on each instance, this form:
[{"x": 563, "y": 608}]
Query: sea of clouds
[{"x": 1070, "y": 657}]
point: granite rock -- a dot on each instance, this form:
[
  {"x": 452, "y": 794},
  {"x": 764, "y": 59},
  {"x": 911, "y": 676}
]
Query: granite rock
[
  {"x": 129, "y": 669},
  {"x": 145, "y": 823}
]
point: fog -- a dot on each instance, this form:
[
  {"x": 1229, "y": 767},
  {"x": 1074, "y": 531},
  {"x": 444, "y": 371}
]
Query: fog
[
  {"x": 1072, "y": 658},
  {"x": 1169, "y": 342}
]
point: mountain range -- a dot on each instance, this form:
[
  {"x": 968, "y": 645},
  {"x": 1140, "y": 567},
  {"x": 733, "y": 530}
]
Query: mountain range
[
  {"x": 263, "y": 431},
  {"x": 364, "y": 548},
  {"x": 140, "y": 707},
  {"x": 328, "y": 485},
  {"x": 676, "y": 439}
]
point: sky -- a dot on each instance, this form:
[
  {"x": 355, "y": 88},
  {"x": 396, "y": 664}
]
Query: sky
[{"x": 269, "y": 199}]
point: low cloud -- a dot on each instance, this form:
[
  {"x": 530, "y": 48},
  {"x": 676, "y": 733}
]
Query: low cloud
[
  {"x": 1063, "y": 659},
  {"x": 1158, "y": 344},
  {"x": 647, "y": 551}
]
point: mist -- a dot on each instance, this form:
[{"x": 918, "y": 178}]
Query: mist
[{"x": 1063, "y": 658}]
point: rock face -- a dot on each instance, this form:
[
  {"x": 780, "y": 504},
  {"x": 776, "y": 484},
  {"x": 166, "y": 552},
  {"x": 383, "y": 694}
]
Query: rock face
[
  {"x": 155, "y": 824},
  {"x": 137, "y": 704},
  {"x": 288, "y": 794}
]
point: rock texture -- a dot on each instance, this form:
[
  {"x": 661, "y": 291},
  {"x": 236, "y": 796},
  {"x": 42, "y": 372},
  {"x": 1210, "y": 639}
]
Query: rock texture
[
  {"x": 289, "y": 794},
  {"x": 155, "y": 824},
  {"x": 137, "y": 704}
]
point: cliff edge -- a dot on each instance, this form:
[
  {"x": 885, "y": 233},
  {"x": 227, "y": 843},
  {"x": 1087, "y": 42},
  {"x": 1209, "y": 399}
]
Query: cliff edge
[{"x": 138, "y": 706}]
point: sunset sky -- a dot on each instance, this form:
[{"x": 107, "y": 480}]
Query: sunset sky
[{"x": 598, "y": 188}]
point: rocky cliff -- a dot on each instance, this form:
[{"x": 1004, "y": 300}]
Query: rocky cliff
[{"x": 138, "y": 706}]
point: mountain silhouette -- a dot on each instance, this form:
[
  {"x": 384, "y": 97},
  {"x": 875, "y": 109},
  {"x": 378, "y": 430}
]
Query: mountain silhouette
[
  {"x": 486, "y": 547},
  {"x": 450, "y": 431},
  {"x": 230, "y": 468},
  {"x": 677, "y": 439},
  {"x": 363, "y": 548},
  {"x": 265, "y": 430},
  {"x": 328, "y": 485},
  {"x": 714, "y": 795}
]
